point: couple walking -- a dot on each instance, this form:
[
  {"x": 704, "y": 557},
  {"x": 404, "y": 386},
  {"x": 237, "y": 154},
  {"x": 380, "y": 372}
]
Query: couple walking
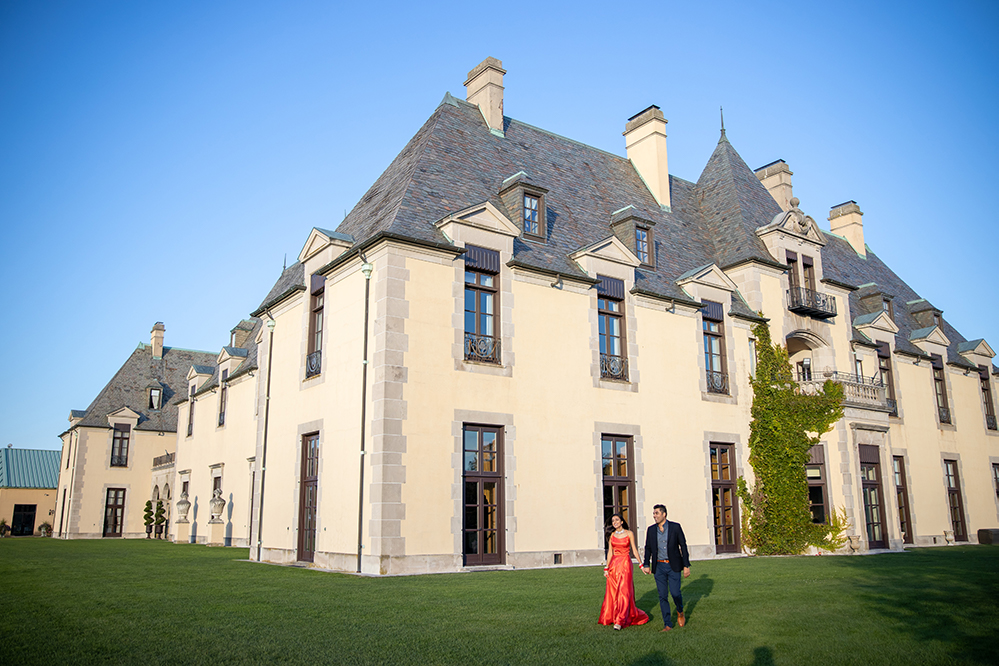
[{"x": 665, "y": 556}]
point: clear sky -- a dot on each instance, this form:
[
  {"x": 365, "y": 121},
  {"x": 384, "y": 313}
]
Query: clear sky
[{"x": 159, "y": 160}]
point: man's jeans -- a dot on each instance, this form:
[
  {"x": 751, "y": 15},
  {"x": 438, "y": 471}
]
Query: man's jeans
[{"x": 668, "y": 580}]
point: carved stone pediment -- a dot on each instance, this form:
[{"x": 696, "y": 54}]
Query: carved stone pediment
[{"x": 796, "y": 223}]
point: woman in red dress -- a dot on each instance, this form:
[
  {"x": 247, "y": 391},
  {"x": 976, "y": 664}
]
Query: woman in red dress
[{"x": 619, "y": 600}]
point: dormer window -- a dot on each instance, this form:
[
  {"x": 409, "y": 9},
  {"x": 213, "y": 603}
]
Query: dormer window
[
  {"x": 888, "y": 307},
  {"x": 525, "y": 201},
  {"x": 155, "y": 398},
  {"x": 531, "y": 215},
  {"x": 937, "y": 319},
  {"x": 643, "y": 244}
]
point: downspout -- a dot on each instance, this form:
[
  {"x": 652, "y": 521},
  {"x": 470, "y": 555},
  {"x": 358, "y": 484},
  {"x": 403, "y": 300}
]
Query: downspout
[
  {"x": 72, "y": 481},
  {"x": 267, "y": 414},
  {"x": 366, "y": 269}
]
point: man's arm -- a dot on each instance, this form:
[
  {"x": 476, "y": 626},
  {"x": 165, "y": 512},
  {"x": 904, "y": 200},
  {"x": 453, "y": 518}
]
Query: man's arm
[
  {"x": 648, "y": 550},
  {"x": 684, "y": 553}
]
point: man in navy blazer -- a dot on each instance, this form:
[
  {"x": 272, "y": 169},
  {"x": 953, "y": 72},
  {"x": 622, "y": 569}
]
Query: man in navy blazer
[{"x": 666, "y": 550}]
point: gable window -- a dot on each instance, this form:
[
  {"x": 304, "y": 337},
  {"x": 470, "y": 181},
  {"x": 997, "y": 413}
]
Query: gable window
[
  {"x": 155, "y": 398},
  {"x": 482, "y": 339},
  {"x": 313, "y": 362},
  {"x": 884, "y": 368},
  {"x": 643, "y": 245},
  {"x": 940, "y": 389},
  {"x": 954, "y": 502},
  {"x": 223, "y": 396},
  {"x": 714, "y": 346},
  {"x": 190, "y": 412},
  {"x": 990, "y": 410},
  {"x": 610, "y": 315},
  {"x": 618, "y": 479},
  {"x": 532, "y": 215},
  {"x": 119, "y": 445}
]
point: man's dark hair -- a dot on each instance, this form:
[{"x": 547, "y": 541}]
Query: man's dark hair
[{"x": 661, "y": 507}]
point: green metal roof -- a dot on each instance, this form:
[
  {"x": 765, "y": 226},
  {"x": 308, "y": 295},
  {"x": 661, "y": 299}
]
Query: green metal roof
[{"x": 29, "y": 468}]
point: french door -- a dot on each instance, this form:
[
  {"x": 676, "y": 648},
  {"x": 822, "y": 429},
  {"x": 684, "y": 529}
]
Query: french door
[
  {"x": 874, "y": 506},
  {"x": 114, "y": 512},
  {"x": 308, "y": 503},
  {"x": 482, "y": 523},
  {"x": 726, "y": 510}
]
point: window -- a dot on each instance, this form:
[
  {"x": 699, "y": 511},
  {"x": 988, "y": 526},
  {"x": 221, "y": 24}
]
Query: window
[
  {"x": 954, "y": 503},
  {"x": 902, "y": 498},
  {"x": 482, "y": 523},
  {"x": 990, "y": 410},
  {"x": 714, "y": 347},
  {"x": 884, "y": 368},
  {"x": 940, "y": 389},
  {"x": 859, "y": 366},
  {"x": 937, "y": 319},
  {"x": 805, "y": 370},
  {"x": 482, "y": 340},
  {"x": 887, "y": 306},
  {"x": 792, "y": 271},
  {"x": 532, "y": 215},
  {"x": 184, "y": 487},
  {"x": 815, "y": 473},
  {"x": 190, "y": 412},
  {"x": 23, "y": 520},
  {"x": 808, "y": 272},
  {"x": 874, "y": 510},
  {"x": 119, "y": 445},
  {"x": 114, "y": 512},
  {"x": 726, "y": 510},
  {"x": 618, "y": 477},
  {"x": 155, "y": 398},
  {"x": 610, "y": 314},
  {"x": 313, "y": 362},
  {"x": 995, "y": 480},
  {"x": 223, "y": 396},
  {"x": 643, "y": 245},
  {"x": 216, "y": 484},
  {"x": 309, "y": 498}
]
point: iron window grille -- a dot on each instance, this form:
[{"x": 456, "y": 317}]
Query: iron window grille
[{"x": 481, "y": 340}]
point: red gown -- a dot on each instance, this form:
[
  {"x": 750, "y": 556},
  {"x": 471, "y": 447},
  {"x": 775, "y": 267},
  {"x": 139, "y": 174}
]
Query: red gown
[{"x": 619, "y": 599}]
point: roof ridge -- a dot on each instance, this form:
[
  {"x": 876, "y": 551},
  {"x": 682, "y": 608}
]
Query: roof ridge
[{"x": 417, "y": 159}]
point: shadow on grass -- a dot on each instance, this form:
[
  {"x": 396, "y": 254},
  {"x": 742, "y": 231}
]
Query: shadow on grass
[
  {"x": 942, "y": 598},
  {"x": 651, "y": 659},
  {"x": 692, "y": 593},
  {"x": 763, "y": 656}
]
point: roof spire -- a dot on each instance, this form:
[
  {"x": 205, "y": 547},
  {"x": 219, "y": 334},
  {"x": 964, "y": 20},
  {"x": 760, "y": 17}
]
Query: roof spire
[
  {"x": 721, "y": 110},
  {"x": 285, "y": 262}
]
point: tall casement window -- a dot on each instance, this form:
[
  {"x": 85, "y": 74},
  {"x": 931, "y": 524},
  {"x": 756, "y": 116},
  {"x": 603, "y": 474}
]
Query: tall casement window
[
  {"x": 532, "y": 215},
  {"x": 617, "y": 454},
  {"x": 190, "y": 412},
  {"x": 482, "y": 330},
  {"x": 884, "y": 368},
  {"x": 314, "y": 361},
  {"x": 902, "y": 498},
  {"x": 223, "y": 396},
  {"x": 805, "y": 370},
  {"x": 793, "y": 281},
  {"x": 990, "y": 409},
  {"x": 114, "y": 512},
  {"x": 954, "y": 503},
  {"x": 119, "y": 445},
  {"x": 155, "y": 398},
  {"x": 940, "y": 389},
  {"x": 309, "y": 500},
  {"x": 643, "y": 245},
  {"x": 859, "y": 367},
  {"x": 808, "y": 273},
  {"x": 482, "y": 524},
  {"x": 714, "y": 346},
  {"x": 815, "y": 472},
  {"x": 613, "y": 342},
  {"x": 62, "y": 511},
  {"x": 874, "y": 507},
  {"x": 723, "y": 502},
  {"x": 995, "y": 480}
]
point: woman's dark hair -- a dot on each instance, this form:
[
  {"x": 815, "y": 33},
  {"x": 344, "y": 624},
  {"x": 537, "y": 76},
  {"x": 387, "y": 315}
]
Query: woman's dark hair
[{"x": 608, "y": 528}]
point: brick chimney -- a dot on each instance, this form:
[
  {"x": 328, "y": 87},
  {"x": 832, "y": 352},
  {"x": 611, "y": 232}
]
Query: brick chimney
[
  {"x": 484, "y": 88},
  {"x": 846, "y": 220},
  {"x": 645, "y": 139},
  {"x": 156, "y": 339},
  {"x": 776, "y": 177}
]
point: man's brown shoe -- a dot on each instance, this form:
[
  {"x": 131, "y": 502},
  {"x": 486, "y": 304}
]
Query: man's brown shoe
[
  {"x": 680, "y": 619},
  {"x": 667, "y": 628}
]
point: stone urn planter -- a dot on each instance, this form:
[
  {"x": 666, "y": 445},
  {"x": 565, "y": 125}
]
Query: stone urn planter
[
  {"x": 217, "y": 505},
  {"x": 149, "y": 530},
  {"x": 854, "y": 543},
  {"x": 949, "y": 536},
  {"x": 183, "y": 506}
]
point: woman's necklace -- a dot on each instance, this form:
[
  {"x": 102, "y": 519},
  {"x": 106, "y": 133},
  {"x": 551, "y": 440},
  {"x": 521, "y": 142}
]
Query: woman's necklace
[{"x": 619, "y": 533}]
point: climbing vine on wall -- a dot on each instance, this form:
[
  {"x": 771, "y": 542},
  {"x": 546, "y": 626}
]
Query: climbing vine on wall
[{"x": 786, "y": 424}]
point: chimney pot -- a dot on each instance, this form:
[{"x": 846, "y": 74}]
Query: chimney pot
[
  {"x": 645, "y": 140},
  {"x": 156, "y": 339},
  {"x": 846, "y": 220},
  {"x": 484, "y": 88},
  {"x": 776, "y": 177}
]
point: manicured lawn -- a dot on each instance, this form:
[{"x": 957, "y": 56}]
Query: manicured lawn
[{"x": 148, "y": 602}]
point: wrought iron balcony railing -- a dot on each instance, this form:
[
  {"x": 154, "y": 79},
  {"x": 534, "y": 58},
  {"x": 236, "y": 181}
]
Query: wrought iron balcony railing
[
  {"x": 162, "y": 461},
  {"x": 221, "y": 419},
  {"x": 717, "y": 382},
  {"x": 892, "y": 406},
  {"x": 613, "y": 367},
  {"x": 482, "y": 348},
  {"x": 811, "y": 303},
  {"x": 119, "y": 461},
  {"x": 944, "y": 414},
  {"x": 313, "y": 363},
  {"x": 858, "y": 390},
  {"x": 990, "y": 421}
]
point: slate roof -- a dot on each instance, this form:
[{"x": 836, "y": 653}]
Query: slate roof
[
  {"x": 454, "y": 161},
  {"x": 249, "y": 362},
  {"x": 128, "y": 387},
  {"x": 29, "y": 468},
  {"x": 292, "y": 279}
]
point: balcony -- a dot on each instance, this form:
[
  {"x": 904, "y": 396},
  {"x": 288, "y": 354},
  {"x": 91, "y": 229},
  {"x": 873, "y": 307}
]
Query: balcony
[
  {"x": 858, "y": 391},
  {"x": 313, "y": 363},
  {"x": 811, "y": 303},
  {"x": 482, "y": 348},
  {"x": 717, "y": 382},
  {"x": 164, "y": 460},
  {"x": 613, "y": 367},
  {"x": 990, "y": 421},
  {"x": 944, "y": 413}
]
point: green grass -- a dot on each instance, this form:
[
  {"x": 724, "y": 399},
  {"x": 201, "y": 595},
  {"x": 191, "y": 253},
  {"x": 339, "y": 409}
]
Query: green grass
[{"x": 155, "y": 602}]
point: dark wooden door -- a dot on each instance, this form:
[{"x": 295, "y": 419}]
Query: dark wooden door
[
  {"x": 23, "y": 521},
  {"x": 308, "y": 504},
  {"x": 114, "y": 512},
  {"x": 724, "y": 505},
  {"x": 482, "y": 528},
  {"x": 902, "y": 498}
]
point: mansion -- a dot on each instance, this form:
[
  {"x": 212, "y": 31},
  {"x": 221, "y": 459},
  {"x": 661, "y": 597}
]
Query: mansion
[{"x": 513, "y": 335}]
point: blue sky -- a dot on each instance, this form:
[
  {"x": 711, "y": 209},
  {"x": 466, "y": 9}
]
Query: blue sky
[{"x": 159, "y": 160}]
